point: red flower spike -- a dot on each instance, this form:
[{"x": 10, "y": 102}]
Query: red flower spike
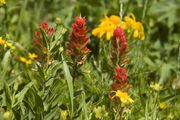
[
  {"x": 38, "y": 35},
  {"x": 43, "y": 25},
  {"x": 120, "y": 74},
  {"x": 77, "y": 47},
  {"x": 115, "y": 86},
  {"x": 119, "y": 43}
]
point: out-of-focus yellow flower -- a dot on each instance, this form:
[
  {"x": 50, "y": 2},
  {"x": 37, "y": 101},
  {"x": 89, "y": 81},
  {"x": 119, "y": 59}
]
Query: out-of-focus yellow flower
[
  {"x": 32, "y": 56},
  {"x": 7, "y": 115},
  {"x": 100, "y": 112},
  {"x": 162, "y": 105},
  {"x": 107, "y": 27},
  {"x": 24, "y": 60},
  {"x": 2, "y": 42},
  {"x": 2, "y": 2},
  {"x": 124, "y": 97},
  {"x": 156, "y": 86},
  {"x": 63, "y": 30},
  {"x": 58, "y": 20},
  {"x": 7, "y": 36},
  {"x": 130, "y": 23},
  {"x": 64, "y": 114},
  {"x": 6, "y": 44},
  {"x": 10, "y": 45}
]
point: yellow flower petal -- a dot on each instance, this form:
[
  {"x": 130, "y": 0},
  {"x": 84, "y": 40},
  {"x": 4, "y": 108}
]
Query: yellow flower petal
[
  {"x": 156, "y": 86},
  {"x": 2, "y": 2},
  {"x": 106, "y": 27},
  {"x": 32, "y": 56},
  {"x": 124, "y": 97},
  {"x": 162, "y": 105},
  {"x": 135, "y": 34},
  {"x": 131, "y": 24}
]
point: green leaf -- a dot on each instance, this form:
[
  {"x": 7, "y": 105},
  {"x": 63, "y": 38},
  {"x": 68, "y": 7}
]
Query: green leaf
[
  {"x": 165, "y": 72},
  {"x": 70, "y": 83},
  {"x": 20, "y": 95},
  {"x": 7, "y": 95}
]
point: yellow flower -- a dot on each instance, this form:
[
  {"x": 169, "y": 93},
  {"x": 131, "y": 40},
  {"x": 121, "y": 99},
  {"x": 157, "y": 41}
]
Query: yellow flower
[
  {"x": 58, "y": 20},
  {"x": 10, "y": 45},
  {"x": 64, "y": 114},
  {"x": 7, "y": 115},
  {"x": 6, "y": 44},
  {"x": 156, "y": 86},
  {"x": 2, "y": 2},
  {"x": 130, "y": 23},
  {"x": 162, "y": 105},
  {"x": 7, "y": 36},
  {"x": 32, "y": 56},
  {"x": 64, "y": 30},
  {"x": 100, "y": 112},
  {"x": 2, "y": 42},
  {"x": 24, "y": 60},
  {"x": 107, "y": 27},
  {"x": 124, "y": 97}
]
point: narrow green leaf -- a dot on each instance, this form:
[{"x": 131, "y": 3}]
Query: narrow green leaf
[
  {"x": 70, "y": 84},
  {"x": 20, "y": 95}
]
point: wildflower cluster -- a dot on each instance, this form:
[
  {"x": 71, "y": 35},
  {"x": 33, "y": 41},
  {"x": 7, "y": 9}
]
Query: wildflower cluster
[
  {"x": 121, "y": 86},
  {"x": 77, "y": 46},
  {"x": 119, "y": 48},
  {"x": 108, "y": 25}
]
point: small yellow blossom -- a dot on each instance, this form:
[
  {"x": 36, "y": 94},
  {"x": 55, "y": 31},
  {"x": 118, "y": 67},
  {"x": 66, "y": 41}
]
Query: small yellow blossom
[
  {"x": 58, "y": 20},
  {"x": 7, "y": 115},
  {"x": 130, "y": 23},
  {"x": 162, "y": 105},
  {"x": 10, "y": 45},
  {"x": 24, "y": 60},
  {"x": 32, "y": 56},
  {"x": 2, "y": 2},
  {"x": 64, "y": 30},
  {"x": 156, "y": 86},
  {"x": 100, "y": 112},
  {"x": 124, "y": 97},
  {"x": 6, "y": 44},
  {"x": 2, "y": 42},
  {"x": 64, "y": 114},
  {"x": 107, "y": 27},
  {"x": 7, "y": 36}
]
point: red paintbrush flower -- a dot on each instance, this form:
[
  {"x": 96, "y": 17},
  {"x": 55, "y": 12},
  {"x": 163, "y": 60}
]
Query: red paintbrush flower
[
  {"x": 119, "y": 43},
  {"x": 77, "y": 47},
  {"x": 120, "y": 74},
  {"x": 38, "y": 35}
]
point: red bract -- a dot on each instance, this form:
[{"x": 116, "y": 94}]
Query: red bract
[
  {"x": 119, "y": 43},
  {"x": 115, "y": 86},
  {"x": 38, "y": 35},
  {"x": 120, "y": 74},
  {"x": 77, "y": 47}
]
